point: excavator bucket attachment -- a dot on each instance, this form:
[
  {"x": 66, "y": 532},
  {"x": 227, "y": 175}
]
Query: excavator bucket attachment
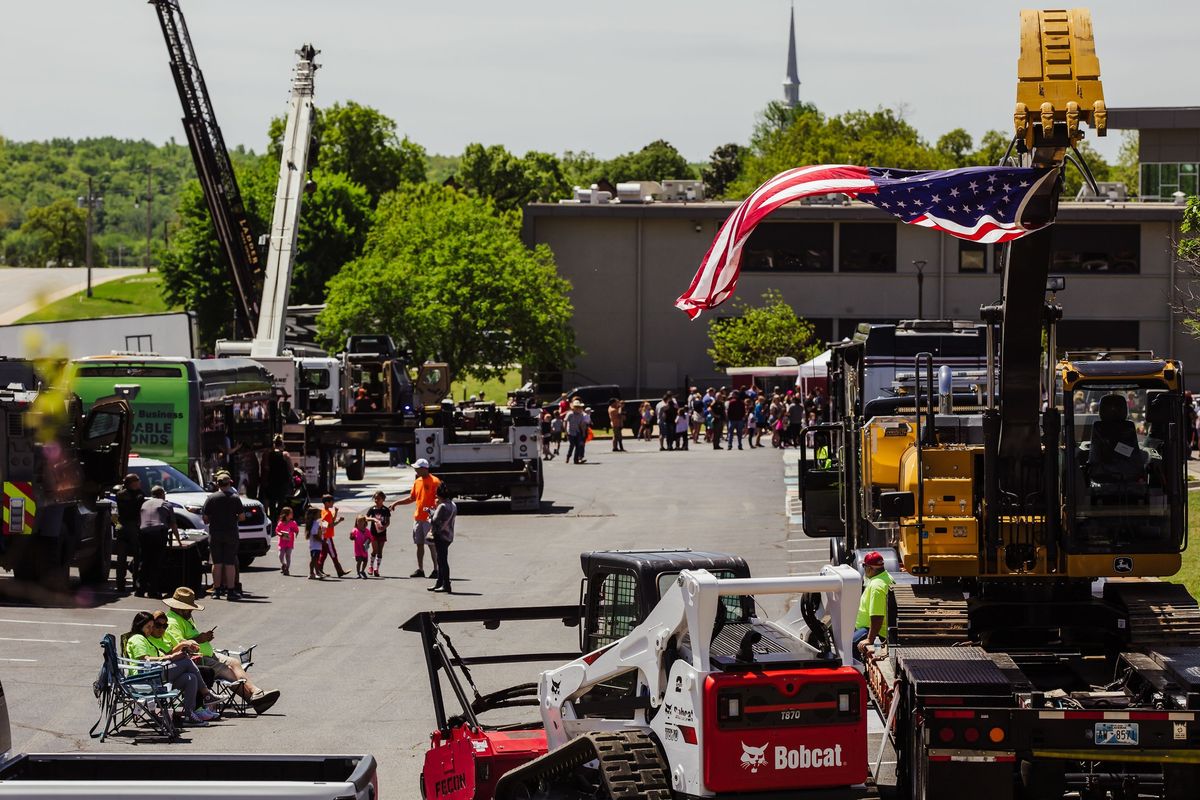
[{"x": 1058, "y": 75}]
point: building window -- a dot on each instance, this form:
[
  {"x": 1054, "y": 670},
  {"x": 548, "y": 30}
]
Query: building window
[
  {"x": 972, "y": 257},
  {"x": 1162, "y": 181},
  {"x": 1107, "y": 249},
  {"x": 790, "y": 247},
  {"x": 867, "y": 247}
]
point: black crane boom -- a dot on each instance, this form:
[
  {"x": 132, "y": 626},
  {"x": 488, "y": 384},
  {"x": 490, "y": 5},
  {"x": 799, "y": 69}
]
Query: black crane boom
[{"x": 217, "y": 179}]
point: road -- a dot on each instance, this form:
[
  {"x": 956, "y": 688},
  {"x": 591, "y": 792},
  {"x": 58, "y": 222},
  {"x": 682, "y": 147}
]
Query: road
[
  {"x": 351, "y": 681},
  {"x": 25, "y": 290}
]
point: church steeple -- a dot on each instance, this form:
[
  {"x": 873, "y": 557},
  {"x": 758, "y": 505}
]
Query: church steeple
[{"x": 791, "y": 84}]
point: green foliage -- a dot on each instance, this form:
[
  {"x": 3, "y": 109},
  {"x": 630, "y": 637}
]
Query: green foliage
[
  {"x": 509, "y": 181},
  {"x": 57, "y": 236},
  {"x": 581, "y": 168},
  {"x": 334, "y": 221},
  {"x": 955, "y": 146},
  {"x": 36, "y": 174},
  {"x": 786, "y": 138},
  {"x": 992, "y": 147},
  {"x": 136, "y": 294},
  {"x": 361, "y": 143},
  {"x": 448, "y": 276},
  {"x": 1188, "y": 250},
  {"x": 722, "y": 169},
  {"x": 1073, "y": 178},
  {"x": 1127, "y": 168},
  {"x": 439, "y": 168},
  {"x": 655, "y": 162},
  {"x": 757, "y": 335}
]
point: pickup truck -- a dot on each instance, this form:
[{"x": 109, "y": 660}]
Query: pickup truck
[{"x": 153, "y": 776}]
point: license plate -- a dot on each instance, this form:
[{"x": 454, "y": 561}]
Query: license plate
[{"x": 1117, "y": 733}]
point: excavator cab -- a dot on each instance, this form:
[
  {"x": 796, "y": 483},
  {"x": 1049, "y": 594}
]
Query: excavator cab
[{"x": 1124, "y": 464}]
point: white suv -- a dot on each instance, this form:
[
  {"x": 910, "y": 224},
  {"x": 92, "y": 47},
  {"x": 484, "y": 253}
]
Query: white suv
[{"x": 188, "y": 498}]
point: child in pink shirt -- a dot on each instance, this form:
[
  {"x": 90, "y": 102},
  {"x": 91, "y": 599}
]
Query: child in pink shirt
[
  {"x": 363, "y": 538},
  {"x": 286, "y": 530}
]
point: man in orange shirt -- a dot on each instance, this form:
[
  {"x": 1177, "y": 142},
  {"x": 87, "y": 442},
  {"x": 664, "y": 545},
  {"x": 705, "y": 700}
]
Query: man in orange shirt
[
  {"x": 424, "y": 495},
  {"x": 330, "y": 518}
]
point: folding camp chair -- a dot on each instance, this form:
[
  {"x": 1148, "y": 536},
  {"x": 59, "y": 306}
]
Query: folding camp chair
[
  {"x": 229, "y": 692},
  {"x": 133, "y": 692}
]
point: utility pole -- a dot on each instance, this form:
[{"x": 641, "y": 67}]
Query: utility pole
[
  {"x": 920, "y": 265},
  {"x": 149, "y": 218},
  {"x": 88, "y": 239}
]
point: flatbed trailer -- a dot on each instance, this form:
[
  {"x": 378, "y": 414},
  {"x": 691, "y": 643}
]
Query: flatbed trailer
[{"x": 961, "y": 714}]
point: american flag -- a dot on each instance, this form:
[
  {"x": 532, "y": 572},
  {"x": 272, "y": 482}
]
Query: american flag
[{"x": 979, "y": 204}]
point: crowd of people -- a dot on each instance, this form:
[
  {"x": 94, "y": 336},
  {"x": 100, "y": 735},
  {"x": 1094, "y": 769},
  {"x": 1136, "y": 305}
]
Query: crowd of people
[{"x": 719, "y": 417}]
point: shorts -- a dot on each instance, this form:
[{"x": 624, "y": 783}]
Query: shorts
[
  {"x": 381, "y": 537},
  {"x": 219, "y": 665},
  {"x": 223, "y": 548},
  {"x": 421, "y": 529}
]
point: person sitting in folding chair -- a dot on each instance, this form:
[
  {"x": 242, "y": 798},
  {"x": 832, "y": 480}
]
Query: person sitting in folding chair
[
  {"x": 146, "y": 644},
  {"x": 181, "y": 627}
]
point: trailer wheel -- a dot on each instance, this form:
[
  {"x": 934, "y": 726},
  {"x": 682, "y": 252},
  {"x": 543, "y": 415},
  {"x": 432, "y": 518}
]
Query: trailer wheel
[
  {"x": 1043, "y": 780},
  {"x": 355, "y": 465},
  {"x": 50, "y": 566}
]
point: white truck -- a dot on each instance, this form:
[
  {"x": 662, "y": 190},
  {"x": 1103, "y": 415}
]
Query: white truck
[
  {"x": 485, "y": 451},
  {"x": 181, "y": 776}
]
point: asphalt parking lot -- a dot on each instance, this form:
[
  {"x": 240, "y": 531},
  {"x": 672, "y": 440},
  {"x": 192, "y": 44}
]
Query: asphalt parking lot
[{"x": 353, "y": 682}]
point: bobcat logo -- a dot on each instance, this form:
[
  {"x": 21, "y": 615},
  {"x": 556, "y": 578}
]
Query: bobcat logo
[
  {"x": 754, "y": 757},
  {"x": 555, "y": 685}
]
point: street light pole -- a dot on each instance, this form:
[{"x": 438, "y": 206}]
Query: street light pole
[
  {"x": 88, "y": 247},
  {"x": 149, "y": 219},
  {"x": 920, "y": 265}
]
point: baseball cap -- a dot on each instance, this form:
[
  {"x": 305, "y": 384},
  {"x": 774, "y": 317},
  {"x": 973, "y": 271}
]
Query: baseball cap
[
  {"x": 873, "y": 558},
  {"x": 421, "y": 463},
  {"x": 223, "y": 475}
]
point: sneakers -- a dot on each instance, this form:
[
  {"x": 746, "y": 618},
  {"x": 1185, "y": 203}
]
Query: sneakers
[
  {"x": 202, "y": 716},
  {"x": 418, "y": 574},
  {"x": 262, "y": 702},
  {"x": 433, "y": 576},
  {"x": 218, "y": 593},
  {"x": 233, "y": 594}
]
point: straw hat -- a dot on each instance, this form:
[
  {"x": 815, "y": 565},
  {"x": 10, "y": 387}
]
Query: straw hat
[{"x": 184, "y": 599}]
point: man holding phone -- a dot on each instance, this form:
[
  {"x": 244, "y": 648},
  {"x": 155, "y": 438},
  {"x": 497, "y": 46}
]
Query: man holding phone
[{"x": 181, "y": 626}]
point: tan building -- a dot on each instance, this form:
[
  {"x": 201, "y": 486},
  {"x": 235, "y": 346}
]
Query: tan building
[{"x": 838, "y": 265}]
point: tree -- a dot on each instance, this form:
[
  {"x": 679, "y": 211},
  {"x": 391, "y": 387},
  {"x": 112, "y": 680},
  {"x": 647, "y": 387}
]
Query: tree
[
  {"x": 449, "y": 277},
  {"x": 1073, "y": 178},
  {"x": 880, "y": 138},
  {"x": 361, "y": 143},
  {"x": 59, "y": 234},
  {"x": 334, "y": 221},
  {"x": 1127, "y": 169},
  {"x": 758, "y": 335},
  {"x": 956, "y": 147},
  {"x": 992, "y": 147},
  {"x": 723, "y": 167},
  {"x": 581, "y": 168},
  {"x": 1188, "y": 251},
  {"x": 655, "y": 162},
  {"x": 509, "y": 181}
]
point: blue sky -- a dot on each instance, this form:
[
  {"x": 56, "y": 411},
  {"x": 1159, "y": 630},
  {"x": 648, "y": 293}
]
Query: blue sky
[{"x": 535, "y": 74}]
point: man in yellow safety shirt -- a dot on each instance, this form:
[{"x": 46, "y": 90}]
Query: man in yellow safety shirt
[{"x": 872, "y": 606}]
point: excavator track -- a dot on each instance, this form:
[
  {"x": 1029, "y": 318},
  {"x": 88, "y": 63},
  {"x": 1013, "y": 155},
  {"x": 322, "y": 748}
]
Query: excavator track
[
  {"x": 1157, "y": 613},
  {"x": 630, "y": 766},
  {"x": 927, "y": 615}
]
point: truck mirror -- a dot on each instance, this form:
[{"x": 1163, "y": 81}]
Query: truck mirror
[{"x": 895, "y": 505}]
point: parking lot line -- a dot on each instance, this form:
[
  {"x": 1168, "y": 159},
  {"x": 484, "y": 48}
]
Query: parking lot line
[
  {"x": 41, "y": 641},
  {"x": 56, "y": 622},
  {"x": 21, "y": 660}
]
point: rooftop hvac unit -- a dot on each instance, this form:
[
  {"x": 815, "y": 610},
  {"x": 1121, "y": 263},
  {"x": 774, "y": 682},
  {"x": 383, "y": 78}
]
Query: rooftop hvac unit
[
  {"x": 638, "y": 191},
  {"x": 592, "y": 196},
  {"x": 1109, "y": 192},
  {"x": 682, "y": 191}
]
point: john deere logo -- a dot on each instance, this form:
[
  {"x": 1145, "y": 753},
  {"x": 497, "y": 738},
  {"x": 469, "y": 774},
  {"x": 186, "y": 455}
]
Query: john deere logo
[{"x": 1123, "y": 564}]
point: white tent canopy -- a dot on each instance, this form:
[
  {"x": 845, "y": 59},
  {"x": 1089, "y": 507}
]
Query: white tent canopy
[{"x": 816, "y": 368}]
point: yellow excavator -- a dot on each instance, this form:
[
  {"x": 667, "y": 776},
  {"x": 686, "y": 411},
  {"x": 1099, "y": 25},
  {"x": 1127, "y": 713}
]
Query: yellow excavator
[{"x": 1032, "y": 651}]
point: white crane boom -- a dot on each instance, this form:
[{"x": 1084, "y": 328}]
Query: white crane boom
[{"x": 285, "y": 222}]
